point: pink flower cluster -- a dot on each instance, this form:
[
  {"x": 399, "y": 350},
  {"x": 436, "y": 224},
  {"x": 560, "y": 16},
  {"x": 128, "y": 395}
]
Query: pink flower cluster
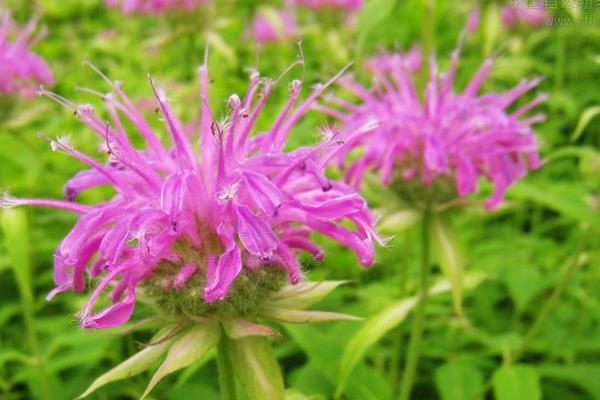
[
  {"x": 346, "y": 5},
  {"x": 520, "y": 11},
  {"x": 241, "y": 201},
  {"x": 154, "y": 6},
  {"x": 21, "y": 70},
  {"x": 460, "y": 136},
  {"x": 273, "y": 26},
  {"x": 384, "y": 63}
]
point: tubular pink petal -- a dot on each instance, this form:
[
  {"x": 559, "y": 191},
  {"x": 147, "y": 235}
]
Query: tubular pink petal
[
  {"x": 256, "y": 235},
  {"x": 221, "y": 276},
  {"x": 265, "y": 195}
]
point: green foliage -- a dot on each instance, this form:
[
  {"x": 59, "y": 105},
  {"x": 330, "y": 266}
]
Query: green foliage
[
  {"x": 519, "y": 249},
  {"x": 517, "y": 382},
  {"x": 458, "y": 379}
]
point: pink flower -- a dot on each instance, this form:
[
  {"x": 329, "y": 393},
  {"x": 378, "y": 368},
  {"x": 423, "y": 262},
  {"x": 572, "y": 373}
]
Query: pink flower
[
  {"x": 154, "y": 6},
  {"x": 448, "y": 135},
  {"x": 474, "y": 19},
  {"x": 241, "y": 201},
  {"x": 384, "y": 63},
  {"x": 21, "y": 70},
  {"x": 273, "y": 26},
  {"x": 346, "y": 5},
  {"x": 520, "y": 11}
]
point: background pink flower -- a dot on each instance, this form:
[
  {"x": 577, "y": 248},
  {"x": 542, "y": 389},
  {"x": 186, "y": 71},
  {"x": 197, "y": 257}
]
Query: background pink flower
[
  {"x": 272, "y": 26},
  {"x": 520, "y": 11},
  {"x": 21, "y": 70},
  {"x": 448, "y": 135},
  {"x": 154, "y": 6}
]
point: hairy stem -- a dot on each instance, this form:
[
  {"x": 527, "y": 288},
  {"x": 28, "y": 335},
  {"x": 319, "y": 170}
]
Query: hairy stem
[{"x": 226, "y": 374}]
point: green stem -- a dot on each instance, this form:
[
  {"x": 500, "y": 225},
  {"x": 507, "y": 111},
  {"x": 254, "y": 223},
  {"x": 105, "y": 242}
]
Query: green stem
[
  {"x": 410, "y": 368},
  {"x": 226, "y": 374},
  {"x": 397, "y": 345}
]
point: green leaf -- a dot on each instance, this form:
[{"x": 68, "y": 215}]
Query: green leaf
[
  {"x": 372, "y": 14},
  {"x": 585, "y": 118},
  {"x": 239, "y": 328},
  {"x": 303, "y": 294},
  {"x": 188, "y": 348},
  {"x": 447, "y": 250},
  {"x": 516, "y": 382},
  {"x": 303, "y": 317},
  {"x": 134, "y": 365},
  {"x": 562, "y": 199},
  {"x": 324, "y": 348},
  {"x": 399, "y": 221},
  {"x": 256, "y": 368},
  {"x": 458, "y": 380},
  {"x": 523, "y": 283},
  {"x": 378, "y": 325},
  {"x": 584, "y": 375}
]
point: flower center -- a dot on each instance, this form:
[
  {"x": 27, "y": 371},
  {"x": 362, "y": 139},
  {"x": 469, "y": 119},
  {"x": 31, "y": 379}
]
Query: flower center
[{"x": 184, "y": 297}]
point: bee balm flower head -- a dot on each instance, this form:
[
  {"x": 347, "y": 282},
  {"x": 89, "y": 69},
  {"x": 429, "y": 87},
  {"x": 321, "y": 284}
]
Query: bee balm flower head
[
  {"x": 272, "y": 26},
  {"x": 521, "y": 12},
  {"x": 446, "y": 141},
  {"x": 206, "y": 224},
  {"x": 21, "y": 70}
]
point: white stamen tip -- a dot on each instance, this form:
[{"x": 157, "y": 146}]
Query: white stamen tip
[
  {"x": 229, "y": 192},
  {"x": 234, "y": 101},
  {"x": 7, "y": 201}
]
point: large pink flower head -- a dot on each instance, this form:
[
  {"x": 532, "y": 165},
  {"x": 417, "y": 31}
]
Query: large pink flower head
[
  {"x": 189, "y": 223},
  {"x": 154, "y": 6},
  {"x": 21, "y": 70},
  {"x": 521, "y": 11},
  {"x": 272, "y": 26},
  {"x": 448, "y": 136},
  {"x": 345, "y": 5}
]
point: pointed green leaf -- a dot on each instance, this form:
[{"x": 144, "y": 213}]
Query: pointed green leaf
[
  {"x": 256, "y": 368},
  {"x": 445, "y": 245},
  {"x": 561, "y": 198},
  {"x": 516, "y": 382},
  {"x": 303, "y": 317},
  {"x": 304, "y": 294},
  {"x": 523, "y": 283},
  {"x": 584, "y": 375},
  {"x": 240, "y": 328},
  {"x": 584, "y": 119},
  {"x": 458, "y": 380},
  {"x": 378, "y": 325},
  {"x": 399, "y": 221},
  {"x": 187, "y": 349},
  {"x": 134, "y": 365}
]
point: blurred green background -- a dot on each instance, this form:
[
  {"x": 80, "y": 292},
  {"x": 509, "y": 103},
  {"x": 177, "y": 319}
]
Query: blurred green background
[{"x": 521, "y": 250}]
